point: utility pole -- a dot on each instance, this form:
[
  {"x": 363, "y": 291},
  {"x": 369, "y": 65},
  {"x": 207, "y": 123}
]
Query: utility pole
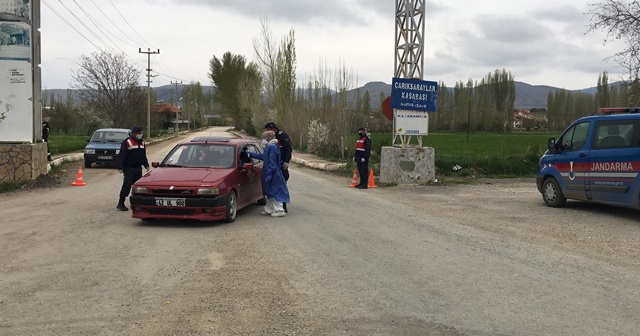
[
  {"x": 149, "y": 53},
  {"x": 175, "y": 101}
]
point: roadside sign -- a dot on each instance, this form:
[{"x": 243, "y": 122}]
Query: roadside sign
[
  {"x": 386, "y": 108},
  {"x": 411, "y": 122},
  {"x": 212, "y": 116},
  {"x": 413, "y": 94}
]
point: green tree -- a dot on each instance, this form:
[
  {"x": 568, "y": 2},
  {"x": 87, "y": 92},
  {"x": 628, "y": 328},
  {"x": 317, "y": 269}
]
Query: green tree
[
  {"x": 366, "y": 103},
  {"x": 226, "y": 74},
  {"x": 193, "y": 104},
  {"x": 603, "y": 97}
]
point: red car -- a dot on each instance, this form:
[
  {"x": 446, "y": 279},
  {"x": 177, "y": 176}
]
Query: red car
[{"x": 204, "y": 179}]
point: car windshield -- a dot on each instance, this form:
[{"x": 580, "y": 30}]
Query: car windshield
[
  {"x": 106, "y": 136},
  {"x": 201, "y": 155}
]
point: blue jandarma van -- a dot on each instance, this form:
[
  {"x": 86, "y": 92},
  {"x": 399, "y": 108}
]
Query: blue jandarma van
[{"x": 596, "y": 159}]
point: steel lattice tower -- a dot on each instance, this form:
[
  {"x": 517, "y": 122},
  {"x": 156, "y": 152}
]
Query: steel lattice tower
[
  {"x": 410, "y": 19},
  {"x": 409, "y": 61}
]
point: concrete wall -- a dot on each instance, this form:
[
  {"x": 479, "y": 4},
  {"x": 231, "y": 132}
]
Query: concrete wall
[
  {"x": 22, "y": 162},
  {"x": 408, "y": 165}
]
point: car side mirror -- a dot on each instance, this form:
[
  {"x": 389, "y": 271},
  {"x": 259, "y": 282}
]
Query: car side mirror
[
  {"x": 248, "y": 167},
  {"x": 155, "y": 164},
  {"x": 88, "y": 140}
]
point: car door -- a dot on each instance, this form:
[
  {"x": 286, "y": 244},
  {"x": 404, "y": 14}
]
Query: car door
[
  {"x": 614, "y": 168},
  {"x": 254, "y": 176},
  {"x": 572, "y": 162}
]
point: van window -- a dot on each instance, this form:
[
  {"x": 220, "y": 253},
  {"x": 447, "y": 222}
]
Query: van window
[
  {"x": 613, "y": 134},
  {"x": 575, "y": 137}
]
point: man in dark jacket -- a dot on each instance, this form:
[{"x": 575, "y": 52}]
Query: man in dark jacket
[
  {"x": 45, "y": 136},
  {"x": 363, "y": 153},
  {"x": 284, "y": 142},
  {"x": 132, "y": 157}
]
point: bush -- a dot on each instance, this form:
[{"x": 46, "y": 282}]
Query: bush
[{"x": 318, "y": 137}]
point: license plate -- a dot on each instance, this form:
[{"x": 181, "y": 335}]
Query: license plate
[
  {"x": 105, "y": 157},
  {"x": 176, "y": 202}
]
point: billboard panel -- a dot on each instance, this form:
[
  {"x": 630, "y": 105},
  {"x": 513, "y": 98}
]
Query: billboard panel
[{"x": 16, "y": 75}]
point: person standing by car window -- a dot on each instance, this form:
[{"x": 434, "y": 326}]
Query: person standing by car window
[
  {"x": 45, "y": 136},
  {"x": 132, "y": 158},
  {"x": 284, "y": 143},
  {"x": 274, "y": 186},
  {"x": 363, "y": 153}
]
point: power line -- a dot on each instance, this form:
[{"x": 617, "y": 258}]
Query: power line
[
  {"x": 127, "y": 22},
  {"x": 68, "y": 23},
  {"x": 115, "y": 25},
  {"x": 87, "y": 27},
  {"x": 100, "y": 27}
]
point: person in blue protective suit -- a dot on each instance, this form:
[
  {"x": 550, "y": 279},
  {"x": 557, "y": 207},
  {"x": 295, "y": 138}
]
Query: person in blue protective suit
[{"x": 274, "y": 186}]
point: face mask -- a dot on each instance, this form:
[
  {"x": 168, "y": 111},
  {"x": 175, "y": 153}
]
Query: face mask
[
  {"x": 139, "y": 136},
  {"x": 360, "y": 134},
  {"x": 265, "y": 142}
]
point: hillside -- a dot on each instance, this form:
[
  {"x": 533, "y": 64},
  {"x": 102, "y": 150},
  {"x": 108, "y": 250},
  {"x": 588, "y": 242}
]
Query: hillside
[{"x": 527, "y": 96}]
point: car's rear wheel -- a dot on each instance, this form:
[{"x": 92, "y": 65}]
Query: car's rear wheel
[
  {"x": 87, "y": 164},
  {"x": 552, "y": 194},
  {"x": 232, "y": 207}
]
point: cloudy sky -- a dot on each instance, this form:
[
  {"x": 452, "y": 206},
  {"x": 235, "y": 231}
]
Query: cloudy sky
[{"x": 541, "y": 42}]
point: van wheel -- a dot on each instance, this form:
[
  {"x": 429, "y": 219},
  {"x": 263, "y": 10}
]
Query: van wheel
[
  {"x": 552, "y": 194},
  {"x": 232, "y": 207}
]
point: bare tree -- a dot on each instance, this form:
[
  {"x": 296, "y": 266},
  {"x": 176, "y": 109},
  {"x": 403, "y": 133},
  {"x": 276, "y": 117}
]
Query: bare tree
[
  {"x": 108, "y": 88},
  {"x": 621, "y": 21},
  {"x": 277, "y": 65}
]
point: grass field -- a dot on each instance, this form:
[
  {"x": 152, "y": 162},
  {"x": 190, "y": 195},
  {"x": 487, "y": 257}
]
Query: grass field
[
  {"x": 66, "y": 143},
  {"x": 483, "y": 154}
]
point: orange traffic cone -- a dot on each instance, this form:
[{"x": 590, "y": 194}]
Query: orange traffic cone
[
  {"x": 354, "y": 181},
  {"x": 372, "y": 180},
  {"x": 79, "y": 181}
]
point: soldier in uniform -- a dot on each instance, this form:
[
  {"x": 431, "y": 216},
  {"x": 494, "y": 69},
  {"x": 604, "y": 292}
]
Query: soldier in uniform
[
  {"x": 363, "y": 153},
  {"x": 132, "y": 157}
]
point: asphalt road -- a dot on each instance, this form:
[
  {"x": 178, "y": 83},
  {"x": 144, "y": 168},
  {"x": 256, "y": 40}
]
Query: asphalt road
[{"x": 486, "y": 259}]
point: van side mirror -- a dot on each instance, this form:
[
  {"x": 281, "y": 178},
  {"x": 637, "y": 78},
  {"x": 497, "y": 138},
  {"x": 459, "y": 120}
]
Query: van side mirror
[
  {"x": 155, "y": 164},
  {"x": 551, "y": 145}
]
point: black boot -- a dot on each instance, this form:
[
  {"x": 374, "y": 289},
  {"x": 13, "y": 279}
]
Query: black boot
[{"x": 121, "y": 206}]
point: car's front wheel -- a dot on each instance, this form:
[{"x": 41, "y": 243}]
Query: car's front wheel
[
  {"x": 232, "y": 207},
  {"x": 552, "y": 194},
  {"x": 87, "y": 164}
]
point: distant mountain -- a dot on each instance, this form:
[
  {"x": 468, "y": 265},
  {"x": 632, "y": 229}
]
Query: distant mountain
[
  {"x": 527, "y": 96},
  {"x": 164, "y": 93}
]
